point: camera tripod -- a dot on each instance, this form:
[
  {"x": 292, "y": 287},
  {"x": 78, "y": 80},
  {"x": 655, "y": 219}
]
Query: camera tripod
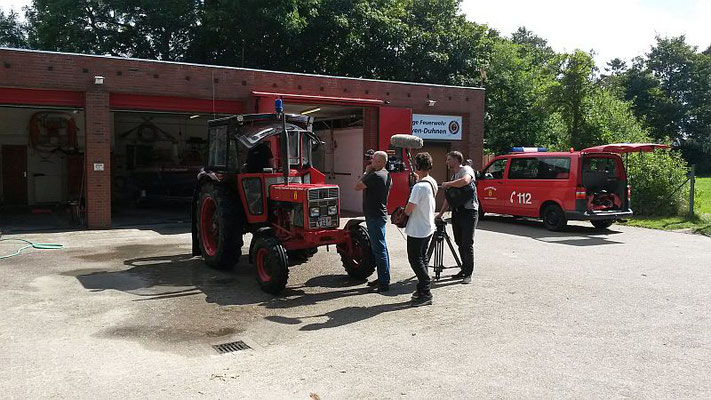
[{"x": 437, "y": 247}]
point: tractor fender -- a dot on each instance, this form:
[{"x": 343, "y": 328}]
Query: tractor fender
[
  {"x": 264, "y": 231},
  {"x": 350, "y": 225}
]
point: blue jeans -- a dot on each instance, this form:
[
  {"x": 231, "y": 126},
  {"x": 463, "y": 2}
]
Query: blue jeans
[{"x": 376, "y": 231}]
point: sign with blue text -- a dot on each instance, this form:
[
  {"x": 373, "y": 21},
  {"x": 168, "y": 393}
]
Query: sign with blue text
[{"x": 437, "y": 127}]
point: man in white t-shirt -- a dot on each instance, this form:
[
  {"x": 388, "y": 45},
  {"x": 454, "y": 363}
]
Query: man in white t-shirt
[{"x": 420, "y": 226}]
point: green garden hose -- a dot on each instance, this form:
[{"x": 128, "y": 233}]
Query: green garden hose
[{"x": 40, "y": 246}]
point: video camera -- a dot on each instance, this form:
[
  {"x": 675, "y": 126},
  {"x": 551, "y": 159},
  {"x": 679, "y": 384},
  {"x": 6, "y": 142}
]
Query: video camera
[{"x": 368, "y": 156}]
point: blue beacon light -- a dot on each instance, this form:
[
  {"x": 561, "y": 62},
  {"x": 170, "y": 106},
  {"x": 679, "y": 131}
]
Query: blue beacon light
[{"x": 278, "y": 106}]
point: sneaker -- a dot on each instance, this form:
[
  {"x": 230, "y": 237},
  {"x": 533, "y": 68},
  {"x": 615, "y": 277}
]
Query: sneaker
[
  {"x": 458, "y": 275},
  {"x": 421, "y": 301},
  {"x": 467, "y": 280},
  {"x": 373, "y": 283},
  {"x": 381, "y": 289},
  {"x": 416, "y": 295}
]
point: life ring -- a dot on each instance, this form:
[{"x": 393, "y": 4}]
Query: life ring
[{"x": 45, "y": 125}]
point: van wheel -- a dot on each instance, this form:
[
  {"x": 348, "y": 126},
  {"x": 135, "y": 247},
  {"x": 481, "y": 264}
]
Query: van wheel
[
  {"x": 553, "y": 218},
  {"x": 602, "y": 223}
]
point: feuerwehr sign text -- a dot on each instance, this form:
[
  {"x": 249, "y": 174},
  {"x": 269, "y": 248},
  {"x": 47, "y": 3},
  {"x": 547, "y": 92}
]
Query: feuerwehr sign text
[{"x": 437, "y": 127}]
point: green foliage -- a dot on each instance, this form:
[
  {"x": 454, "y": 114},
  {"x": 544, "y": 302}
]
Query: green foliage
[
  {"x": 670, "y": 92},
  {"x": 11, "y": 31},
  {"x": 516, "y": 89},
  {"x": 656, "y": 180}
]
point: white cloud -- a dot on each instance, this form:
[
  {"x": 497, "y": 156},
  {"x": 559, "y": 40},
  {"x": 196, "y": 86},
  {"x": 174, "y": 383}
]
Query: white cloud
[{"x": 613, "y": 28}]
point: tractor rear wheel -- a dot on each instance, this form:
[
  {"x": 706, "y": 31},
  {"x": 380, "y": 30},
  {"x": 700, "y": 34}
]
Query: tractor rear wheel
[
  {"x": 219, "y": 226},
  {"x": 360, "y": 263},
  {"x": 272, "y": 264}
]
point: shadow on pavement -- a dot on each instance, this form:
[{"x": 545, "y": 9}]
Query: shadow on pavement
[
  {"x": 180, "y": 275},
  {"x": 573, "y": 235}
]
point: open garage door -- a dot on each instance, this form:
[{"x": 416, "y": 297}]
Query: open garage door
[
  {"x": 41, "y": 167},
  {"x": 155, "y": 160},
  {"x": 341, "y": 156}
]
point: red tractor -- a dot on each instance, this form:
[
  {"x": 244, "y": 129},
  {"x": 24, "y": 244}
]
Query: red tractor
[{"x": 259, "y": 179}]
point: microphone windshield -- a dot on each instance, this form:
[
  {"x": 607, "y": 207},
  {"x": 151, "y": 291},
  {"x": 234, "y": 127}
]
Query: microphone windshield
[{"x": 406, "y": 141}]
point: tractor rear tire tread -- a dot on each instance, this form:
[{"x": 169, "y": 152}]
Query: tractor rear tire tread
[{"x": 231, "y": 223}]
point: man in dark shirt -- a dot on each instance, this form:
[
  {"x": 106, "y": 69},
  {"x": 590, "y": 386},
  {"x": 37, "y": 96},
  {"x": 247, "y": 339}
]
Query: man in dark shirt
[{"x": 375, "y": 184}]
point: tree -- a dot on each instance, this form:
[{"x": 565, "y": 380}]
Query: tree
[
  {"x": 11, "y": 30},
  {"x": 516, "y": 89},
  {"x": 133, "y": 28},
  {"x": 570, "y": 96}
]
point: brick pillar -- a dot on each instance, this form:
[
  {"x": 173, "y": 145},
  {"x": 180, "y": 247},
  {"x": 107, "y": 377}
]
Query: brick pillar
[
  {"x": 370, "y": 128},
  {"x": 97, "y": 152}
]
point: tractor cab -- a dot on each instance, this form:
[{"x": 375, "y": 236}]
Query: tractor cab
[{"x": 259, "y": 179}]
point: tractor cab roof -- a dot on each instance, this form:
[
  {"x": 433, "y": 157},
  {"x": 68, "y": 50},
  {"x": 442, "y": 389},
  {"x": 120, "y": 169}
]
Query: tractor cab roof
[{"x": 251, "y": 129}]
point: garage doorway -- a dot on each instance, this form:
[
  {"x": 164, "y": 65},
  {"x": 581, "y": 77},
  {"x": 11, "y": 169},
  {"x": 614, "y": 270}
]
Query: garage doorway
[
  {"x": 155, "y": 160},
  {"x": 340, "y": 158},
  {"x": 41, "y": 161}
]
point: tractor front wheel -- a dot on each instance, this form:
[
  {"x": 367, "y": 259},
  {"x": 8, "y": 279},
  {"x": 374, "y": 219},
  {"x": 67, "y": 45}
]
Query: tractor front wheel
[
  {"x": 359, "y": 262},
  {"x": 219, "y": 226},
  {"x": 272, "y": 264}
]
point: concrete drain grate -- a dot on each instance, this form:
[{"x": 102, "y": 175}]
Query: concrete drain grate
[{"x": 230, "y": 347}]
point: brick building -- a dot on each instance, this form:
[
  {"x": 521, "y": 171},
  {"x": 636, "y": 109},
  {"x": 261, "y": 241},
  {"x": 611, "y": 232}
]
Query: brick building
[{"x": 107, "y": 132}]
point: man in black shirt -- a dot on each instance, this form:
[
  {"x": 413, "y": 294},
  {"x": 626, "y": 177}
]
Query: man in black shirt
[{"x": 375, "y": 184}]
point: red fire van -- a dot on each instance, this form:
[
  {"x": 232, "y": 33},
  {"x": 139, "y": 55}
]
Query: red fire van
[{"x": 559, "y": 186}]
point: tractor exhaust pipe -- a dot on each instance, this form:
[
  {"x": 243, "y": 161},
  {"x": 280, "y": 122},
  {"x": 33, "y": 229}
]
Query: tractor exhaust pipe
[{"x": 279, "y": 106}]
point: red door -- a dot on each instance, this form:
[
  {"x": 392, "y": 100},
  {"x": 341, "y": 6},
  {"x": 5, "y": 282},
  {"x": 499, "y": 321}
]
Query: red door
[
  {"x": 14, "y": 175},
  {"x": 394, "y": 120}
]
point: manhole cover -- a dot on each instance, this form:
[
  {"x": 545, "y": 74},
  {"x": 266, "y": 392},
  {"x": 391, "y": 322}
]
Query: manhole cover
[{"x": 230, "y": 347}]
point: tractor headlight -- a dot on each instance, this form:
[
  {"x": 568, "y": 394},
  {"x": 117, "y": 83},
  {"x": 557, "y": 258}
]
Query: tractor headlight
[
  {"x": 332, "y": 210},
  {"x": 315, "y": 211}
]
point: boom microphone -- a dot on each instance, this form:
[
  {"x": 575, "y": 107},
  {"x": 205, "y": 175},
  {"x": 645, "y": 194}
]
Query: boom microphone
[{"x": 406, "y": 141}]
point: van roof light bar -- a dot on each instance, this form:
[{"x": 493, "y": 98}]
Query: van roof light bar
[{"x": 521, "y": 149}]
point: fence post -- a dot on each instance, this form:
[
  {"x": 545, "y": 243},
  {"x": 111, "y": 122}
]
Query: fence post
[{"x": 692, "y": 179}]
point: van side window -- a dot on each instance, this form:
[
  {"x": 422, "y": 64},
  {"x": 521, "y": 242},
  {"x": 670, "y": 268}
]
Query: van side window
[
  {"x": 540, "y": 168},
  {"x": 496, "y": 169},
  {"x": 523, "y": 168},
  {"x": 554, "y": 168}
]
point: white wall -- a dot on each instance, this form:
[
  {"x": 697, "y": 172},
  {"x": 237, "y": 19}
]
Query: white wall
[
  {"x": 52, "y": 187},
  {"x": 344, "y": 164}
]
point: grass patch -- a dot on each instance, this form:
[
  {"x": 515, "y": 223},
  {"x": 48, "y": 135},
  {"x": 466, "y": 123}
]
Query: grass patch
[
  {"x": 699, "y": 223},
  {"x": 702, "y": 201}
]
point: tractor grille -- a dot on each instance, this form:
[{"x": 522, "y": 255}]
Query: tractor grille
[
  {"x": 323, "y": 221},
  {"x": 323, "y": 193}
]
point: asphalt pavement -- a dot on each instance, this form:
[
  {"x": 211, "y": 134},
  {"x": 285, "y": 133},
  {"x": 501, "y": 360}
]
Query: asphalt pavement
[{"x": 128, "y": 313}]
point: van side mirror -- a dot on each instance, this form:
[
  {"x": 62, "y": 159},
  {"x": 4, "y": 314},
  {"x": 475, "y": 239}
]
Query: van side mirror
[{"x": 488, "y": 176}]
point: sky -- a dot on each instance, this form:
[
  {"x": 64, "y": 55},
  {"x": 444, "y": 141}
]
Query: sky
[{"x": 612, "y": 28}]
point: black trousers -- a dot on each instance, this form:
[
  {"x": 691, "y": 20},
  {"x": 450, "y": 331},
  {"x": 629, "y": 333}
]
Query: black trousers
[
  {"x": 464, "y": 223},
  {"x": 417, "y": 255}
]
